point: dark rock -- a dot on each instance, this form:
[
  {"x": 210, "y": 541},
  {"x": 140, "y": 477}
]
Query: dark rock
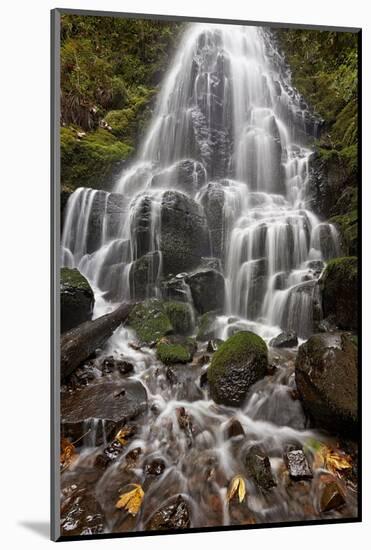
[
  {"x": 203, "y": 359},
  {"x": 143, "y": 275},
  {"x": 326, "y": 373},
  {"x": 132, "y": 456},
  {"x": 298, "y": 466},
  {"x": 206, "y": 326},
  {"x": 113, "y": 450},
  {"x": 339, "y": 285},
  {"x": 184, "y": 235},
  {"x": 203, "y": 379},
  {"x": 174, "y": 515},
  {"x": 186, "y": 424},
  {"x": 259, "y": 467},
  {"x": 211, "y": 263},
  {"x": 213, "y": 345},
  {"x": 81, "y": 514},
  {"x": 207, "y": 289},
  {"x": 238, "y": 363},
  {"x": 285, "y": 340},
  {"x": 234, "y": 428},
  {"x": 110, "y": 364},
  {"x": 185, "y": 175},
  {"x": 212, "y": 201},
  {"x": 77, "y": 299},
  {"x": 175, "y": 289},
  {"x": 332, "y": 497},
  {"x": 103, "y": 407},
  {"x": 155, "y": 467}
]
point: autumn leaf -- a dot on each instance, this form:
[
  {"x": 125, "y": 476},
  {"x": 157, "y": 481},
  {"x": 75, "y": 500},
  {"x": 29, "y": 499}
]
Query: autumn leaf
[
  {"x": 132, "y": 500},
  {"x": 68, "y": 453},
  {"x": 237, "y": 486},
  {"x": 122, "y": 434},
  {"x": 335, "y": 461}
]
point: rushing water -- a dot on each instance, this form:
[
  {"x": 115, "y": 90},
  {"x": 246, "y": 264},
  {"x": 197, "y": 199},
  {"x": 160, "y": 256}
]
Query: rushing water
[{"x": 228, "y": 121}]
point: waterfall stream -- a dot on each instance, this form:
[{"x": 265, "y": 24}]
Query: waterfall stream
[{"x": 228, "y": 129}]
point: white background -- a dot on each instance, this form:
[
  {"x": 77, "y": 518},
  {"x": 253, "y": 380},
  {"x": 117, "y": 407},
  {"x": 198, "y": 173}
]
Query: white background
[{"x": 24, "y": 305}]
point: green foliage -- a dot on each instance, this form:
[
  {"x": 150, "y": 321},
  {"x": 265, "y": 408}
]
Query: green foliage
[
  {"x": 87, "y": 160},
  {"x": 110, "y": 70},
  {"x": 180, "y": 316},
  {"x": 235, "y": 351}
]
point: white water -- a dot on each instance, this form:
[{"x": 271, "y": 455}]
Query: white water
[{"x": 228, "y": 107}]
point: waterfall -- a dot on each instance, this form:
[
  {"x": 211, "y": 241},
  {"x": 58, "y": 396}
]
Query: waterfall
[{"x": 228, "y": 127}]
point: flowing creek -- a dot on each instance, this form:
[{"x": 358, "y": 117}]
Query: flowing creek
[{"x": 228, "y": 130}]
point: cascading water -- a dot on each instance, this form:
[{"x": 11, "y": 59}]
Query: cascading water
[{"x": 228, "y": 131}]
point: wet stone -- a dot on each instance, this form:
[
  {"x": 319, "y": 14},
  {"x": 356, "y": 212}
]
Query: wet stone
[
  {"x": 174, "y": 515},
  {"x": 234, "y": 428},
  {"x": 213, "y": 345},
  {"x": 132, "y": 456},
  {"x": 298, "y": 466},
  {"x": 285, "y": 340},
  {"x": 332, "y": 497},
  {"x": 155, "y": 467},
  {"x": 259, "y": 467},
  {"x": 203, "y": 379},
  {"x": 81, "y": 514}
]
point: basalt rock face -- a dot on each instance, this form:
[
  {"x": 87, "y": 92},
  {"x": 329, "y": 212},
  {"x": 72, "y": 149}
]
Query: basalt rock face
[
  {"x": 238, "y": 363},
  {"x": 185, "y": 175},
  {"x": 326, "y": 373},
  {"x": 339, "y": 284},
  {"x": 207, "y": 289},
  {"x": 77, "y": 299},
  {"x": 184, "y": 235},
  {"x": 213, "y": 203}
]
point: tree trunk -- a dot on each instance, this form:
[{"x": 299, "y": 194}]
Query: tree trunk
[{"x": 80, "y": 342}]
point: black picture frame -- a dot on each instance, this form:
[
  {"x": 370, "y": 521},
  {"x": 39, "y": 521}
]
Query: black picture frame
[{"x": 55, "y": 268}]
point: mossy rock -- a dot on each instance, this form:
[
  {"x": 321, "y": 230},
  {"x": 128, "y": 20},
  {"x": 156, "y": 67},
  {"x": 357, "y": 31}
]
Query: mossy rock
[
  {"x": 77, "y": 299},
  {"x": 175, "y": 350},
  {"x": 238, "y": 363},
  {"x": 339, "y": 284},
  {"x": 347, "y": 225},
  {"x": 150, "y": 321},
  {"x": 180, "y": 316},
  {"x": 206, "y": 324}
]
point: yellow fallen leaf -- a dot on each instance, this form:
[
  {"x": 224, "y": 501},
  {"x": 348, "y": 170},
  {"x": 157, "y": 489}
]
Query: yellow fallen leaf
[
  {"x": 237, "y": 486},
  {"x": 121, "y": 435},
  {"x": 132, "y": 500},
  {"x": 68, "y": 453},
  {"x": 335, "y": 461}
]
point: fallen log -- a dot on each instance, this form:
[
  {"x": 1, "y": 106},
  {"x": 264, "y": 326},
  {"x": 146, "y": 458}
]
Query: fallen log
[{"x": 79, "y": 343}]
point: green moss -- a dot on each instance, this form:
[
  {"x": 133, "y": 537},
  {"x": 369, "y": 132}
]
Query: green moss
[
  {"x": 235, "y": 351},
  {"x": 89, "y": 159},
  {"x": 73, "y": 278},
  {"x": 150, "y": 321},
  {"x": 170, "y": 353},
  {"x": 180, "y": 316},
  {"x": 347, "y": 225}
]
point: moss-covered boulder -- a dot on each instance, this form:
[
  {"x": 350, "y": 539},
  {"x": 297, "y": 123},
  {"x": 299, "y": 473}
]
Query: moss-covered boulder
[
  {"x": 175, "y": 350},
  {"x": 238, "y": 363},
  {"x": 326, "y": 373},
  {"x": 77, "y": 299},
  {"x": 153, "y": 319},
  {"x": 339, "y": 284}
]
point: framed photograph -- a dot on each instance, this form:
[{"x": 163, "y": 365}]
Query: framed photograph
[{"x": 205, "y": 283}]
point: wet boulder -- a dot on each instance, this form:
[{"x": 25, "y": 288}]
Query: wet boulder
[
  {"x": 212, "y": 201},
  {"x": 297, "y": 465},
  {"x": 332, "y": 497},
  {"x": 326, "y": 373},
  {"x": 234, "y": 428},
  {"x": 101, "y": 409},
  {"x": 287, "y": 339},
  {"x": 184, "y": 235},
  {"x": 81, "y": 513},
  {"x": 185, "y": 175},
  {"x": 339, "y": 285},
  {"x": 154, "y": 467},
  {"x": 143, "y": 275},
  {"x": 175, "y": 514},
  {"x": 77, "y": 299},
  {"x": 238, "y": 363},
  {"x": 175, "y": 350},
  {"x": 207, "y": 326},
  {"x": 259, "y": 468},
  {"x": 207, "y": 289}
]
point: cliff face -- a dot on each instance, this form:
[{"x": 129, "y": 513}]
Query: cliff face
[
  {"x": 110, "y": 72},
  {"x": 324, "y": 70}
]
